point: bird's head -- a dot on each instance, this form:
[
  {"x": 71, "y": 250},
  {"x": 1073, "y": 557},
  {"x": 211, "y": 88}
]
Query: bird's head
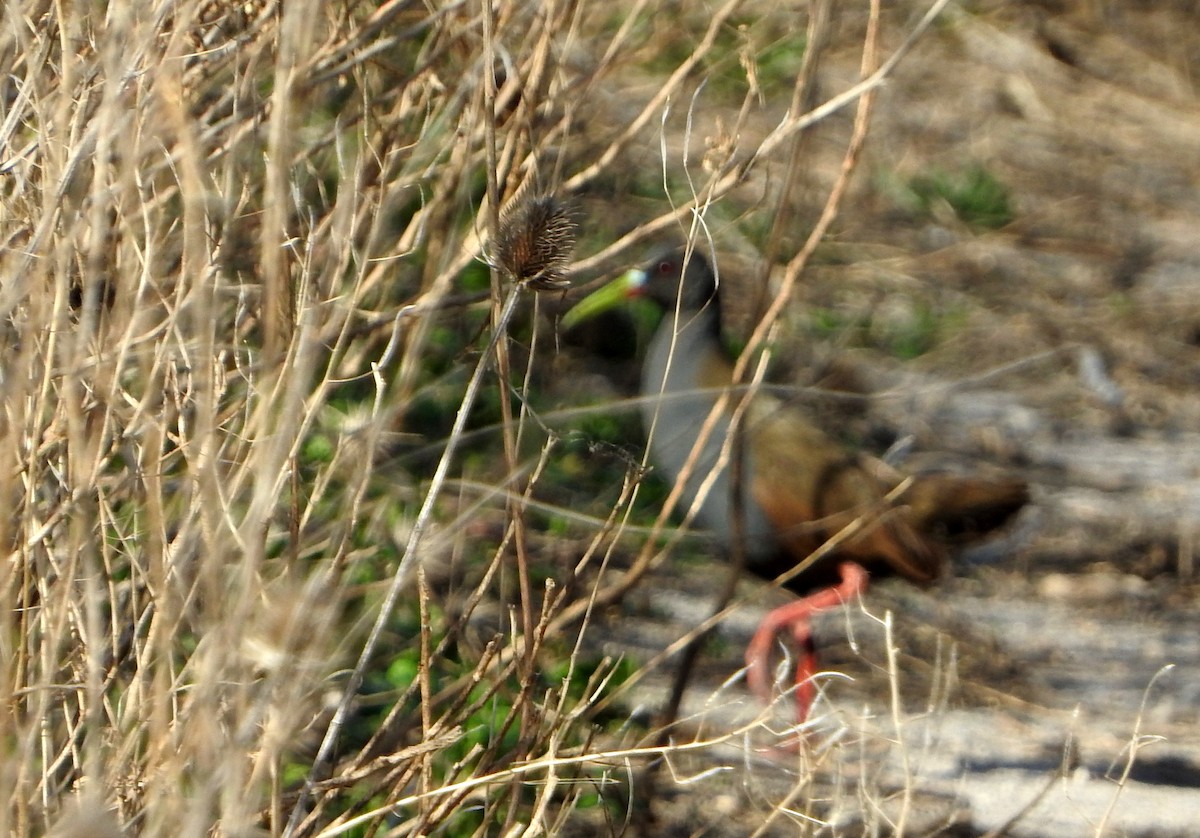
[{"x": 671, "y": 277}]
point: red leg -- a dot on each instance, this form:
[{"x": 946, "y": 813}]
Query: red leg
[{"x": 795, "y": 617}]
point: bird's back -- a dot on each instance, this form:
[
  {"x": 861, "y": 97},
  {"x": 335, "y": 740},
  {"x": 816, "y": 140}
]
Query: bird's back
[{"x": 799, "y": 486}]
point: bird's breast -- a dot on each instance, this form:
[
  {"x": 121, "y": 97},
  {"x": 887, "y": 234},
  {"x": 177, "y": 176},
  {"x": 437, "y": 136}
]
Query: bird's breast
[{"x": 683, "y": 377}]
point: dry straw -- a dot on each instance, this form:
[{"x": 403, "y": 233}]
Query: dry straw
[{"x": 206, "y": 535}]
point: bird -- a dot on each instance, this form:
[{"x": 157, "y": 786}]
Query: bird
[{"x": 796, "y": 486}]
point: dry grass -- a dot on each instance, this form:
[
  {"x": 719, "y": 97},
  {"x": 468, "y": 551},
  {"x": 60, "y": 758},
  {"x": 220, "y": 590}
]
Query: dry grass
[{"x": 232, "y": 235}]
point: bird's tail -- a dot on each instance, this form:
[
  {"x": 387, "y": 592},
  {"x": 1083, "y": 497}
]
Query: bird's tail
[{"x": 960, "y": 508}]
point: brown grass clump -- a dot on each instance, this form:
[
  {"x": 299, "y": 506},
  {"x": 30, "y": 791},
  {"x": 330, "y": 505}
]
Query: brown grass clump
[{"x": 242, "y": 270}]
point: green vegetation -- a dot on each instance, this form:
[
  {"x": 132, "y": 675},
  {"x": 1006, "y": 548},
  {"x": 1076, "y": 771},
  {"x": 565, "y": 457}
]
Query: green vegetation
[
  {"x": 907, "y": 334},
  {"x": 973, "y": 195},
  {"x": 750, "y": 55}
]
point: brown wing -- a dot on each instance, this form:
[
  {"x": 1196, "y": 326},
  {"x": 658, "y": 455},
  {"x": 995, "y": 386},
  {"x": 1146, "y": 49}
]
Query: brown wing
[{"x": 809, "y": 487}]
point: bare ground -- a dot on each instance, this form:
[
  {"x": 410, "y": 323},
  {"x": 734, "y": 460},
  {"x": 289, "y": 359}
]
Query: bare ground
[{"x": 1049, "y": 686}]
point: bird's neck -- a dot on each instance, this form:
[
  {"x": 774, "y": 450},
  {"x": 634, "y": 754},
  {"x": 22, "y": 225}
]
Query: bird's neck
[
  {"x": 685, "y": 373},
  {"x": 686, "y": 353}
]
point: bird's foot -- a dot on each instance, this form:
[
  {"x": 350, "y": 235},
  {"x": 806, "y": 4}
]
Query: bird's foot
[{"x": 795, "y": 618}]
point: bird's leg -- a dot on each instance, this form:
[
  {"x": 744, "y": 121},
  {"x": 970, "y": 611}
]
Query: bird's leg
[{"x": 795, "y": 617}]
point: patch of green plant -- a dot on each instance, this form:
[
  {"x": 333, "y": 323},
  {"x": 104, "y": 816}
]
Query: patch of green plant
[
  {"x": 779, "y": 62},
  {"x": 594, "y": 452},
  {"x": 476, "y": 276},
  {"x": 757, "y": 228},
  {"x": 775, "y": 63},
  {"x": 559, "y": 673},
  {"x": 592, "y": 461},
  {"x": 905, "y": 338},
  {"x": 914, "y": 336},
  {"x": 607, "y": 428},
  {"x": 826, "y": 323},
  {"x": 974, "y": 194},
  {"x": 488, "y": 725},
  {"x": 445, "y": 366},
  {"x": 349, "y": 396},
  {"x": 652, "y": 494},
  {"x": 646, "y": 184},
  {"x": 318, "y": 449}
]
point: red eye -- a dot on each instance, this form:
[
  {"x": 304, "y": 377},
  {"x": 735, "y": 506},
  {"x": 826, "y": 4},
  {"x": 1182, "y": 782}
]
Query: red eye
[{"x": 664, "y": 267}]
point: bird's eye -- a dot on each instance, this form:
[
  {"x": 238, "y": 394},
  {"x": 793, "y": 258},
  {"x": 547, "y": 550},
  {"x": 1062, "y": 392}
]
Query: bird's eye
[{"x": 664, "y": 267}]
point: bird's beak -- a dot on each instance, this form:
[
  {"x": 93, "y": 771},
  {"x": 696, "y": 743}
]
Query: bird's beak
[{"x": 628, "y": 285}]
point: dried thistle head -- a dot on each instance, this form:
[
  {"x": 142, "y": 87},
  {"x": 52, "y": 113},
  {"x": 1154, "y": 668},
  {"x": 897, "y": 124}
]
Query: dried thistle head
[{"x": 535, "y": 242}]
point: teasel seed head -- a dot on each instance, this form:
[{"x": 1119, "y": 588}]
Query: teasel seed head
[{"x": 535, "y": 242}]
